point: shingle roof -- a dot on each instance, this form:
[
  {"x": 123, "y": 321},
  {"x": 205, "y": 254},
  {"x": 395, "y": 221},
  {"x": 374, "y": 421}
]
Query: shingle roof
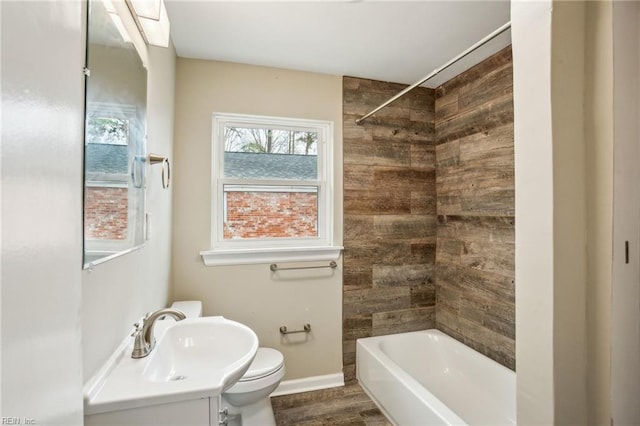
[
  {"x": 114, "y": 159},
  {"x": 249, "y": 165},
  {"x": 106, "y": 158}
]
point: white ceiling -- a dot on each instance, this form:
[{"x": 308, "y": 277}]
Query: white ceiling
[{"x": 394, "y": 41}]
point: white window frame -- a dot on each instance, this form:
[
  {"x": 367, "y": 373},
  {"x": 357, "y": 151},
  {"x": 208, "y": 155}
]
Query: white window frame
[{"x": 266, "y": 250}]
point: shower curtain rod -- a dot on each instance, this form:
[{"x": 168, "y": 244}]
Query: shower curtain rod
[{"x": 435, "y": 72}]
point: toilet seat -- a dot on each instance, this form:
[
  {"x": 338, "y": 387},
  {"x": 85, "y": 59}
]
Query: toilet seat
[
  {"x": 266, "y": 370},
  {"x": 266, "y": 362}
]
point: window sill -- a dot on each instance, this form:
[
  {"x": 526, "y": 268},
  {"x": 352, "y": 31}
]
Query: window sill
[{"x": 271, "y": 255}]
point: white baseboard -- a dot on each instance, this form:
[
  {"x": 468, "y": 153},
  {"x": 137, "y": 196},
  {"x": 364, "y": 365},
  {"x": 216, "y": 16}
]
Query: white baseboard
[{"x": 307, "y": 384}]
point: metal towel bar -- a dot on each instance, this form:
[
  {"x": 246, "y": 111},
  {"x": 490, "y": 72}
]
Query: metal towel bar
[
  {"x": 306, "y": 329},
  {"x": 274, "y": 267}
]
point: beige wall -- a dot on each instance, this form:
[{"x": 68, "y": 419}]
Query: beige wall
[
  {"x": 625, "y": 296},
  {"x": 118, "y": 78},
  {"x": 563, "y": 204},
  {"x": 569, "y": 211},
  {"x": 250, "y": 293},
  {"x": 118, "y": 293},
  {"x": 599, "y": 138}
]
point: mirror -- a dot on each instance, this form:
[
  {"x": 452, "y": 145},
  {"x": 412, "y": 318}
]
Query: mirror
[{"x": 115, "y": 135}]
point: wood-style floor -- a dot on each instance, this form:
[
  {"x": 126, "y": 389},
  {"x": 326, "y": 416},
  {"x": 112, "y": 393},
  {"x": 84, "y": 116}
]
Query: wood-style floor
[{"x": 347, "y": 405}]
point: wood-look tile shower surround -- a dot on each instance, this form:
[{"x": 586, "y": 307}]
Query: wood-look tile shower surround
[
  {"x": 475, "y": 265},
  {"x": 389, "y": 213},
  {"x": 429, "y": 211}
]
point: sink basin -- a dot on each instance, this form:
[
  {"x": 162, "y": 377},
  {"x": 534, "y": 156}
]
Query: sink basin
[
  {"x": 202, "y": 347},
  {"x": 193, "y": 358}
]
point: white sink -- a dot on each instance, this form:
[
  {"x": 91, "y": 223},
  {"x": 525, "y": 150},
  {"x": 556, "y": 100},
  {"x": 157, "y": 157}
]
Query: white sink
[
  {"x": 193, "y": 358},
  {"x": 206, "y": 347}
]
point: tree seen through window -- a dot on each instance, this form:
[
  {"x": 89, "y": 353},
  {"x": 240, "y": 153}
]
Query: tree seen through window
[{"x": 270, "y": 141}]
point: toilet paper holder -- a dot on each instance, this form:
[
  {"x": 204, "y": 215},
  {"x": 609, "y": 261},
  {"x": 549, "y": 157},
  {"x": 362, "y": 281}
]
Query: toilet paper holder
[{"x": 306, "y": 329}]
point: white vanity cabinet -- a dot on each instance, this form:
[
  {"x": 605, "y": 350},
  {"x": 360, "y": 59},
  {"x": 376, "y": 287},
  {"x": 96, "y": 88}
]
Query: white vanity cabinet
[{"x": 196, "y": 412}]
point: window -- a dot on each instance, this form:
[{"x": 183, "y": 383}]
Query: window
[
  {"x": 112, "y": 208},
  {"x": 271, "y": 190}
]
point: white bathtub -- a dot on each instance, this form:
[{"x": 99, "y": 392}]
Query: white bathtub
[{"x": 428, "y": 378}]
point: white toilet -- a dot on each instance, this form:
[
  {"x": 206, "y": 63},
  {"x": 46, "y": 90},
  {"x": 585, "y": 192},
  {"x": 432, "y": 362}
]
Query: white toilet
[{"x": 247, "y": 402}]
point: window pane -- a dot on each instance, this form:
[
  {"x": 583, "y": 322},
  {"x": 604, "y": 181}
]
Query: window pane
[
  {"x": 270, "y": 212},
  {"x": 252, "y": 153},
  {"x": 106, "y": 204}
]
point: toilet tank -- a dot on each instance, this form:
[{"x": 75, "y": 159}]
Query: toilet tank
[{"x": 191, "y": 308}]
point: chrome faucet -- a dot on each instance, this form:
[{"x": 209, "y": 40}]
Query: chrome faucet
[{"x": 144, "y": 340}]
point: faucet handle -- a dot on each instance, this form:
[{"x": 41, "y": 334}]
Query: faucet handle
[{"x": 137, "y": 330}]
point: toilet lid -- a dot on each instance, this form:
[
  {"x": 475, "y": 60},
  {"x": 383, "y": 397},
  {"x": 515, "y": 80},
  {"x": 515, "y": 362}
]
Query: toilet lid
[{"x": 267, "y": 361}]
